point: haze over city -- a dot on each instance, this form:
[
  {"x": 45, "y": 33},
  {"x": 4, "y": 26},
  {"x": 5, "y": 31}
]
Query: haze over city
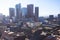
[
  {"x": 29, "y": 19},
  {"x": 46, "y": 7}
]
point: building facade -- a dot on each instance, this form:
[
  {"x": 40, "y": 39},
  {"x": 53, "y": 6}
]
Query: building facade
[
  {"x": 30, "y": 10},
  {"x": 36, "y": 13},
  {"x": 18, "y": 12},
  {"x": 11, "y": 12}
]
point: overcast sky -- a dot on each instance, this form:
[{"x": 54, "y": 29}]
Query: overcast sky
[{"x": 46, "y": 7}]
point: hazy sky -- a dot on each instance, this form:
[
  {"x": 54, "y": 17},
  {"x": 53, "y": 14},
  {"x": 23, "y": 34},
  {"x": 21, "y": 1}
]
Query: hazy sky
[{"x": 46, "y": 7}]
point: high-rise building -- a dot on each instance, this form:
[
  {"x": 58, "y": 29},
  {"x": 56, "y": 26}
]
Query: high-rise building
[
  {"x": 51, "y": 17},
  {"x": 24, "y": 12},
  {"x": 18, "y": 11},
  {"x": 11, "y": 12},
  {"x": 58, "y": 15},
  {"x": 30, "y": 10},
  {"x": 58, "y": 19},
  {"x": 36, "y": 13},
  {"x": 1, "y": 17}
]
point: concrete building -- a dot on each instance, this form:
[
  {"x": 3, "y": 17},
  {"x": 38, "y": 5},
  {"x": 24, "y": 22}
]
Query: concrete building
[
  {"x": 30, "y": 11},
  {"x": 24, "y": 12},
  {"x": 1, "y": 17},
  {"x": 11, "y": 12},
  {"x": 36, "y": 13},
  {"x": 18, "y": 12},
  {"x": 58, "y": 19},
  {"x": 51, "y": 18}
]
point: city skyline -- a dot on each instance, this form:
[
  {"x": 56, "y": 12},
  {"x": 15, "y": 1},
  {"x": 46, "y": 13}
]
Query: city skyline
[{"x": 46, "y": 7}]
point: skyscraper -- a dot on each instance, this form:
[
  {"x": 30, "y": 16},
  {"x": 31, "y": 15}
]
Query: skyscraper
[
  {"x": 24, "y": 12},
  {"x": 58, "y": 19},
  {"x": 18, "y": 11},
  {"x": 11, "y": 12},
  {"x": 30, "y": 10},
  {"x": 36, "y": 13}
]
